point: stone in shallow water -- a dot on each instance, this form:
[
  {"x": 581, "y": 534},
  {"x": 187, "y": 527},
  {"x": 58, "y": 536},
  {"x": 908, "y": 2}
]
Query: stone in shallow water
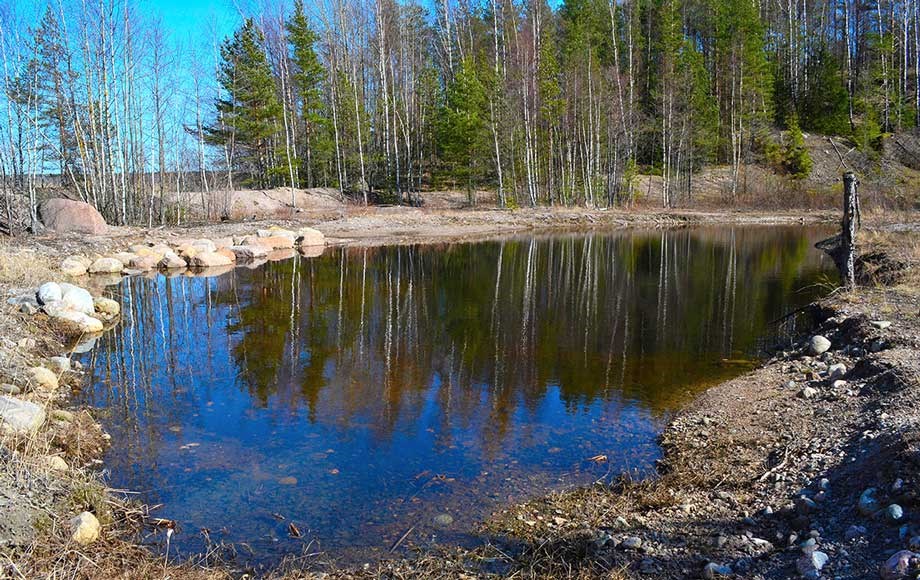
[
  {"x": 444, "y": 520},
  {"x": 288, "y": 480}
]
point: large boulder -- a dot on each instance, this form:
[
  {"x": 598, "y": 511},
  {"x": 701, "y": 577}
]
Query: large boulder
[
  {"x": 84, "y": 323},
  {"x": 77, "y": 298},
  {"x": 252, "y": 252},
  {"x": 20, "y": 416},
  {"x": 68, "y": 216},
  {"x": 209, "y": 260},
  {"x": 308, "y": 237},
  {"x": 106, "y": 266}
]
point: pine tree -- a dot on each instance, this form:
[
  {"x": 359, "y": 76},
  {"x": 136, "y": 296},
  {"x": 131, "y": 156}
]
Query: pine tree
[
  {"x": 249, "y": 112},
  {"x": 307, "y": 76},
  {"x": 797, "y": 160},
  {"x": 462, "y": 137},
  {"x": 826, "y": 105}
]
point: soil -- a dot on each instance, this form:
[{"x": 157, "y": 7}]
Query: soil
[{"x": 742, "y": 483}]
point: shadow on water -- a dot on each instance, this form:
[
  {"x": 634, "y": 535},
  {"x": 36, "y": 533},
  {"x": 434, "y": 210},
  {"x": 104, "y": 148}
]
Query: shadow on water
[{"x": 365, "y": 392}]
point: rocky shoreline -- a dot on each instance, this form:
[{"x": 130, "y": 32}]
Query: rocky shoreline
[{"x": 765, "y": 476}]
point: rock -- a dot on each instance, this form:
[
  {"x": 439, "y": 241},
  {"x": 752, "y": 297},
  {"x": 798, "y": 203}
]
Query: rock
[
  {"x": 808, "y": 393},
  {"x": 713, "y": 570},
  {"x": 276, "y": 242},
  {"x": 818, "y": 345},
  {"x": 145, "y": 251},
  {"x": 444, "y": 520},
  {"x": 252, "y": 252},
  {"x": 171, "y": 261},
  {"x": 49, "y": 292},
  {"x": 43, "y": 378},
  {"x": 810, "y": 564},
  {"x": 125, "y": 257},
  {"x": 880, "y": 324},
  {"x": 631, "y": 543},
  {"x": 899, "y": 565},
  {"x": 107, "y": 306},
  {"x": 107, "y": 265},
  {"x": 805, "y": 505},
  {"x": 854, "y": 532},
  {"x": 20, "y": 416},
  {"x": 62, "y": 415},
  {"x": 208, "y": 260},
  {"x": 65, "y": 215},
  {"x": 311, "y": 251},
  {"x": 77, "y": 298},
  {"x": 194, "y": 247},
  {"x": 839, "y": 384},
  {"x": 74, "y": 266},
  {"x": 288, "y": 480},
  {"x": 85, "y": 528},
  {"x": 59, "y": 364},
  {"x": 221, "y": 243},
  {"x": 55, "y": 463},
  {"x": 83, "y": 323},
  {"x": 307, "y": 237},
  {"x": 275, "y": 231},
  {"x": 868, "y": 505},
  {"x": 836, "y": 371},
  {"x": 877, "y": 346},
  {"x": 8, "y": 389},
  {"x": 894, "y": 513},
  {"x": 227, "y": 253},
  {"x": 27, "y": 309},
  {"x": 144, "y": 263}
]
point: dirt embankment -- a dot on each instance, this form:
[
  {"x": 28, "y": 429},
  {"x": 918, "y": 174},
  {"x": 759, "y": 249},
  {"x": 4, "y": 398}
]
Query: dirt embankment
[{"x": 754, "y": 470}]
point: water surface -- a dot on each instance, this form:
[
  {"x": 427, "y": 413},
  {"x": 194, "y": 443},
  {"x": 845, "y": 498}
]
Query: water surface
[{"x": 367, "y": 392}]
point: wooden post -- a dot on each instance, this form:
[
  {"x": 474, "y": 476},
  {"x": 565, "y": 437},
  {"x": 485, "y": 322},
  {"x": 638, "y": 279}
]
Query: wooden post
[{"x": 850, "y": 225}]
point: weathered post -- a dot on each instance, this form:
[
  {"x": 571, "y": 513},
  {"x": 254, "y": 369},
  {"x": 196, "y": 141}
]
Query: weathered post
[{"x": 850, "y": 225}]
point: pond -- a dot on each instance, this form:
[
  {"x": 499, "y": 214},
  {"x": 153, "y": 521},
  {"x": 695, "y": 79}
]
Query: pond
[{"x": 368, "y": 392}]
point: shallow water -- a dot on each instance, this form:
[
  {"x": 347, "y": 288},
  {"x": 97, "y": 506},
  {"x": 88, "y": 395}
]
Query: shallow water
[{"x": 367, "y": 392}]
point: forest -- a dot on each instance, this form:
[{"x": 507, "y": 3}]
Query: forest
[{"x": 541, "y": 102}]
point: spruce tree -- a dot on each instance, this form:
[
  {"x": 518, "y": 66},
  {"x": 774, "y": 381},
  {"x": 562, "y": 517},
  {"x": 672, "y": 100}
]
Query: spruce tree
[
  {"x": 462, "y": 127},
  {"x": 307, "y": 75},
  {"x": 248, "y": 112}
]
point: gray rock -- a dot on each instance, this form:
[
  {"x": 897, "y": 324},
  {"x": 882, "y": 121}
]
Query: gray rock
[
  {"x": 49, "y": 292},
  {"x": 894, "y": 513},
  {"x": 899, "y": 565},
  {"x": 818, "y": 345},
  {"x": 811, "y": 563},
  {"x": 444, "y": 520},
  {"x": 27, "y": 309},
  {"x": 20, "y": 416},
  {"x": 880, "y": 324},
  {"x": 808, "y": 393},
  {"x": 59, "y": 364},
  {"x": 836, "y": 371},
  {"x": 631, "y": 543},
  {"x": 854, "y": 532},
  {"x": 713, "y": 570},
  {"x": 8, "y": 389},
  {"x": 877, "y": 346},
  {"x": 77, "y": 298},
  {"x": 868, "y": 505}
]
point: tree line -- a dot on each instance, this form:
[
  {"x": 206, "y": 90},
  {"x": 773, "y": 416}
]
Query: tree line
[{"x": 545, "y": 103}]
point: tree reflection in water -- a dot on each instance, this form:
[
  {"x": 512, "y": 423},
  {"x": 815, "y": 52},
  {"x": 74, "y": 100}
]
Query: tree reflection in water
[{"x": 370, "y": 389}]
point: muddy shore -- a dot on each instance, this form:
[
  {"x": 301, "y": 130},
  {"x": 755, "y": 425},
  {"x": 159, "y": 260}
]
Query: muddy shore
[{"x": 742, "y": 490}]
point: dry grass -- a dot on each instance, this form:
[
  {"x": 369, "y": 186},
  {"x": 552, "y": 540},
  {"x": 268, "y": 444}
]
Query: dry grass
[{"x": 22, "y": 267}]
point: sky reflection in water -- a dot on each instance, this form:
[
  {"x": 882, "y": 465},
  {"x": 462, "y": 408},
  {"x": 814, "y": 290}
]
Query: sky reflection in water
[{"x": 366, "y": 391}]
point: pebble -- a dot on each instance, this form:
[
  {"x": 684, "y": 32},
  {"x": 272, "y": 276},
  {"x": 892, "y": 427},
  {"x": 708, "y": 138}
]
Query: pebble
[
  {"x": 810, "y": 564},
  {"x": 631, "y": 543},
  {"x": 868, "y": 505},
  {"x": 288, "y": 480},
  {"x": 62, "y": 415},
  {"x": 8, "y": 389},
  {"x": 880, "y": 324},
  {"x": 894, "y": 513},
  {"x": 854, "y": 532},
  {"x": 818, "y": 345},
  {"x": 444, "y": 520},
  {"x": 59, "y": 364},
  {"x": 44, "y": 378},
  {"x": 836, "y": 371},
  {"x": 85, "y": 528},
  {"x": 713, "y": 570},
  {"x": 808, "y": 393},
  {"x": 898, "y": 566}
]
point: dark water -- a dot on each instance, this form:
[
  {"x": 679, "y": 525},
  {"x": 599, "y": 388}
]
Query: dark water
[{"x": 367, "y": 391}]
